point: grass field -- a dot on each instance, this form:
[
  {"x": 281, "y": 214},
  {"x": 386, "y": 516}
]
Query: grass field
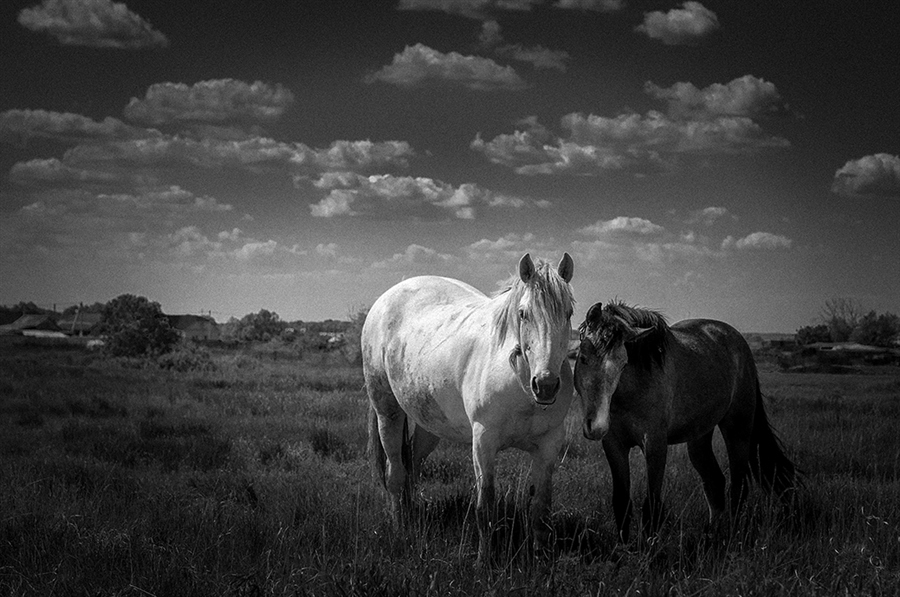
[{"x": 249, "y": 478}]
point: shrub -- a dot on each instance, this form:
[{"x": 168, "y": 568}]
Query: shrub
[
  {"x": 187, "y": 357},
  {"x": 135, "y": 327}
]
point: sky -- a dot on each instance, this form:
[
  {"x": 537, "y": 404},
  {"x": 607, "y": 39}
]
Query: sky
[{"x": 737, "y": 161}]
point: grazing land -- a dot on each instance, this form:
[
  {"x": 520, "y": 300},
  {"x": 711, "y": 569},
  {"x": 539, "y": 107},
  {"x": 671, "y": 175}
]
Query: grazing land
[{"x": 246, "y": 475}]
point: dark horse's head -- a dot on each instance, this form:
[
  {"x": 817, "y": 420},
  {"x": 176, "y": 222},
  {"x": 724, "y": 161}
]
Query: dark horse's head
[{"x": 611, "y": 338}]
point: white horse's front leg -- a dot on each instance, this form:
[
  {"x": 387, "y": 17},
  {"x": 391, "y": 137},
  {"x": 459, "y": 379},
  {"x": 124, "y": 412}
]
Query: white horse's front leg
[
  {"x": 484, "y": 453},
  {"x": 543, "y": 463}
]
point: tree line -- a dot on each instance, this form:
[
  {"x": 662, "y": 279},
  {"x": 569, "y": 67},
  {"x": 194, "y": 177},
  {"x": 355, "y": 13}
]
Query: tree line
[
  {"x": 134, "y": 326},
  {"x": 845, "y": 320}
]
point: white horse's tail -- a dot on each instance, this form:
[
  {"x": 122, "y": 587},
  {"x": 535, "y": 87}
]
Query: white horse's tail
[{"x": 377, "y": 457}]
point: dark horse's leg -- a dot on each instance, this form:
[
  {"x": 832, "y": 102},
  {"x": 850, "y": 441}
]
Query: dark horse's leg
[
  {"x": 655, "y": 453},
  {"x": 617, "y": 457},
  {"x": 704, "y": 461},
  {"x": 739, "y": 443}
]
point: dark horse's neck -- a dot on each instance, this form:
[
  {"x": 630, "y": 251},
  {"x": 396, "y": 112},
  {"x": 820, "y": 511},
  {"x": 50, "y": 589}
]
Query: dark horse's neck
[{"x": 650, "y": 349}]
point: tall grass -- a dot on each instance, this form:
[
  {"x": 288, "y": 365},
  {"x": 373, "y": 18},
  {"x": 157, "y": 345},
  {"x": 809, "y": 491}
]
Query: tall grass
[{"x": 250, "y": 478}]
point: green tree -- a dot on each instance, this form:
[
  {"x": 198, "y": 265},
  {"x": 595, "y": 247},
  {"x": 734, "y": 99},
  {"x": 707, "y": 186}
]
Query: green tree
[
  {"x": 877, "y": 330},
  {"x": 841, "y": 315},
  {"x": 259, "y": 327},
  {"x": 135, "y": 326}
]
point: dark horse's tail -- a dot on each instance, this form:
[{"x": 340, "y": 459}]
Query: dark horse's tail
[{"x": 770, "y": 466}]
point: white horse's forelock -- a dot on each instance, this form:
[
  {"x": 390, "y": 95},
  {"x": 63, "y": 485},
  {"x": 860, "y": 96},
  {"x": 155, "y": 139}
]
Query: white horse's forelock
[{"x": 551, "y": 297}]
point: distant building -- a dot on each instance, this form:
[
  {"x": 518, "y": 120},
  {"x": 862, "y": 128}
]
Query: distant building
[
  {"x": 29, "y": 325},
  {"x": 80, "y": 324},
  {"x": 195, "y": 327},
  {"x": 852, "y": 353}
]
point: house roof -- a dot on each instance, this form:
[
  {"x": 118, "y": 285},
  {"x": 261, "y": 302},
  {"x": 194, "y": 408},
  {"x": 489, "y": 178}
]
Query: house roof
[
  {"x": 80, "y": 322},
  {"x": 183, "y": 322},
  {"x": 846, "y": 347},
  {"x": 39, "y": 321}
]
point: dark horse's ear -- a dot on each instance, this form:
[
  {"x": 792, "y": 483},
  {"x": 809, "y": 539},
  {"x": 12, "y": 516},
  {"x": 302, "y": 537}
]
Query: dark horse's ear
[
  {"x": 526, "y": 267},
  {"x": 566, "y": 267},
  {"x": 593, "y": 315}
]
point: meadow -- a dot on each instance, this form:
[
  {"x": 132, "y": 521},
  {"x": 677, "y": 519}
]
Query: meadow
[{"x": 246, "y": 474}]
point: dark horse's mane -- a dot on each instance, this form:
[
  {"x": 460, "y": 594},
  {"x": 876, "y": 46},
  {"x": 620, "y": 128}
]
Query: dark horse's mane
[{"x": 605, "y": 328}]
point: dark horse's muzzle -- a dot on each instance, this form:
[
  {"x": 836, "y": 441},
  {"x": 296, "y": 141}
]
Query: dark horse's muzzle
[{"x": 545, "y": 387}]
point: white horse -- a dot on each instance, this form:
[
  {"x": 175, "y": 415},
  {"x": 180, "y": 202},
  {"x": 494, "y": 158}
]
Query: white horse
[{"x": 461, "y": 366}]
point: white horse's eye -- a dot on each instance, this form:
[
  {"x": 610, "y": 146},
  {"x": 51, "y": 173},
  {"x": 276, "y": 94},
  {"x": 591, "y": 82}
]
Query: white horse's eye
[{"x": 522, "y": 315}]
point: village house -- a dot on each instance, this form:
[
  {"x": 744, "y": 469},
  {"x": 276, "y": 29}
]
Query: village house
[{"x": 195, "y": 327}]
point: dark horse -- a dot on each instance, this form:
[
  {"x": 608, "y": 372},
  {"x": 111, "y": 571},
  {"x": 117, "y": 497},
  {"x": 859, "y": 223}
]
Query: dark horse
[{"x": 646, "y": 384}]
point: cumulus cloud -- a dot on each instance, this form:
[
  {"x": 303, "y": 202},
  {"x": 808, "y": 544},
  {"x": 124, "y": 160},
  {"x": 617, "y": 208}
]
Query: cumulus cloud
[
  {"x": 511, "y": 243},
  {"x": 758, "y": 240},
  {"x": 77, "y": 224},
  {"x": 213, "y": 101},
  {"x": 171, "y": 198},
  {"x": 505, "y": 251},
  {"x": 352, "y": 194},
  {"x": 255, "y": 250},
  {"x": 419, "y": 64},
  {"x": 415, "y": 255},
  {"x": 65, "y": 126},
  {"x": 188, "y": 241},
  {"x": 680, "y": 26},
  {"x": 663, "y": 253},
  {"x": 95, "y": 23},
  {"x": 51, "y": 171},
  {"x": 539, "y": 57},
  {"x": 622, "y": 225},
  {"x": 875, "y": 175},
  {"x": 625, "y": 142},
  {"x": 708, "y": 215},
  {"x": 252, "y": 153},
  {"x": 745, "y": 96},
  {"x": 346, "y": 155},
  {"x": 701, "y": 122}
]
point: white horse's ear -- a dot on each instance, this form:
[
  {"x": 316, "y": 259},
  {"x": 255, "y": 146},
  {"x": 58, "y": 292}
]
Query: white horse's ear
[
  {"x": 566, "y": 267},
  {"x": 526, "y": 267},
  {"x": 635, "y": 334}
]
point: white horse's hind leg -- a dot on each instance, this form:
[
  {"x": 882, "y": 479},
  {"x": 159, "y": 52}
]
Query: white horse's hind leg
[
  {"x": 423, "y": 444},
  {"x": 391, "y": 430}
]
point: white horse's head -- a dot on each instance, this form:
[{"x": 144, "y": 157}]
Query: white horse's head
[
  {"x": 539, "y": 308},
  {"x": 608, "y": 337}
]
